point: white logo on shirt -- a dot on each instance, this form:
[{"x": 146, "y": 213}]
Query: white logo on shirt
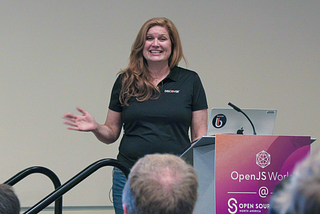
[{"x": 172, "y": 91}]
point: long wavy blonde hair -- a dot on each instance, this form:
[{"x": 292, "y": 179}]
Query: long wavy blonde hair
[{"x": 136, "y": 80}]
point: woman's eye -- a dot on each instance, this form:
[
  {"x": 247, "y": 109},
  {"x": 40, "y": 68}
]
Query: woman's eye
[{"x": 149, "y": 38}]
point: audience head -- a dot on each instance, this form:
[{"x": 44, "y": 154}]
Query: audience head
[
  {"x": 9, "y": 202},
  {"x": 301, "y": 193},
  {"x": 160, "y": 183}
]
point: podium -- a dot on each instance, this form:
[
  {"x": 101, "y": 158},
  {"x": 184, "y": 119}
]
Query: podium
[
  {"x": 202, "y": 156},
  {"x": 237, "y": 173}
]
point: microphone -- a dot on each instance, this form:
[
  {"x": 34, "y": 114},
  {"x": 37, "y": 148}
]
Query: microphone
[{"x": 239, "y": 110}]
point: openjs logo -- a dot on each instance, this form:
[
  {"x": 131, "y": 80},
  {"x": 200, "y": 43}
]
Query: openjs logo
[{"x": 263, "y": 159}]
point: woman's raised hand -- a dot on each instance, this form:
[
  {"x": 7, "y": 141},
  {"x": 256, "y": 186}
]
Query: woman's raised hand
[{"x": 84, "y": 122}]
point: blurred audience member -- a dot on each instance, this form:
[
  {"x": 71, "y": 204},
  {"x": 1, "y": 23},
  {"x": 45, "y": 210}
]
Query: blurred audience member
[
  {"x": 301, "y": 193},
  {"x": 9, "y": 202},
  {"x": 160, "y": 183}
]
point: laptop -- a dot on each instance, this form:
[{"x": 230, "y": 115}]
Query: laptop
[{"x": 230, "y": 121}]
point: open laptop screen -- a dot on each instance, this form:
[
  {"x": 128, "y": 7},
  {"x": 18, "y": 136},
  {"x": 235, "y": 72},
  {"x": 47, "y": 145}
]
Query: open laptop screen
[{"x": 229, "y": 121}]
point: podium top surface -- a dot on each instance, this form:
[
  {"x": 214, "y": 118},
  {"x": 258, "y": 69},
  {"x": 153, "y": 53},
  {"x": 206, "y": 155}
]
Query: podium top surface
[{"x": 207, "y": 140}]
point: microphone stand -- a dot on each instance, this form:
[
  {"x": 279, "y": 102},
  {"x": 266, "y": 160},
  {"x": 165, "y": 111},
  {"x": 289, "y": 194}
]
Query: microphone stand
[{"x": 239, "y": 110}]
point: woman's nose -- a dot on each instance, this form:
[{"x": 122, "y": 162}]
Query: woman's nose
[{"x": 155, "y": 42}]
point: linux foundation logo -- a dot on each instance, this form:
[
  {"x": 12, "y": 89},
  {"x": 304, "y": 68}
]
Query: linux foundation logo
[
  {"x": 263, "y": 159},
  {"x": 219, "y": 121}
]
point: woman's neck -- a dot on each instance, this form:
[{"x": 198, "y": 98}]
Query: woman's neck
[
  {"x": 157, "y": 67},
  {"x": 158, "y": 72}
]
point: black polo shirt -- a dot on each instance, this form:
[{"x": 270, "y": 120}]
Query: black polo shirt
[{"x": 159, "y": 125}]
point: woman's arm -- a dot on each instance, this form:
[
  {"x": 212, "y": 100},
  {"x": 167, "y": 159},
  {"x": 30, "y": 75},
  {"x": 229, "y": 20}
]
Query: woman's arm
[
  {"x": 199, "y": 124},
  {"x": 110, "y": 131},
  {"x": 106, "y": 133}
]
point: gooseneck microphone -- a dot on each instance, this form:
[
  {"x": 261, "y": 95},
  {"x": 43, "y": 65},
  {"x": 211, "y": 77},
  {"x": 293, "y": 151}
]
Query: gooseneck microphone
[{"x": 239, "y": 110}]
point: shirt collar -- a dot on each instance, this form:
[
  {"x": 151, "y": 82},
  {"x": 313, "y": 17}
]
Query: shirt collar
[{"x": 174, "y": 73}]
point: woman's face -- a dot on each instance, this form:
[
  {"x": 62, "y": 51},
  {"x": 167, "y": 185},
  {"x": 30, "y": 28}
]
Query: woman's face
[{"x": 157, "y": 47}]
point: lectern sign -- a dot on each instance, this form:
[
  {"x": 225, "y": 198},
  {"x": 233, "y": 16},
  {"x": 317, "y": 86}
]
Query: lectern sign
[{"x": 249, "y": 166}]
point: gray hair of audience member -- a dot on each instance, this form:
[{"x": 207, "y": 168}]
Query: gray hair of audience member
[
  {"x": 301, "y": 194},
  {"x": 161, "y": 183},
  {"x": 9, "y": 202}
]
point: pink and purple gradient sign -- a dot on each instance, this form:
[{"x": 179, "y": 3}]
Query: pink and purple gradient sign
[{"x": 248, "y": 168}]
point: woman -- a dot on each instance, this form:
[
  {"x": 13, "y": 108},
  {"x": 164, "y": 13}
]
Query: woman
[{"x": 154, "y": 100}]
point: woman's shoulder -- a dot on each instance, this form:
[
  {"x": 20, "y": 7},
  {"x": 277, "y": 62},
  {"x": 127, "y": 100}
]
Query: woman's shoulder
[
  {"x": 184, "y": 71},
  {"x": 118, "y": 81},
  {"x": 119, "y": 77}
]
